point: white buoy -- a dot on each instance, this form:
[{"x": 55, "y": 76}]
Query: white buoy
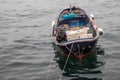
[
  {"x": 53, "y": 23},
  {"x": 100, "y": 31},
  {"x": 92, "y": 16}
]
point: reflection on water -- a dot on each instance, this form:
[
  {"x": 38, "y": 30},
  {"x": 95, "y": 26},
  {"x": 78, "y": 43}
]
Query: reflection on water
[{"x": 77, "y": 68}]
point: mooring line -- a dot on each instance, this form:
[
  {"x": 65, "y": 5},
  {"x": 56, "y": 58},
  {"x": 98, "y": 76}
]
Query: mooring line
[
  {"x": 66, "y": 63},
  {"x": 69, "y": 49},
  {"x": 78, "y": 48},
  {"x": 47, "y": 76}
]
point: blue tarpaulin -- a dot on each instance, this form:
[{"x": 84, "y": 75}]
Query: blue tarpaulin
[{"x": 68, "y": 16}]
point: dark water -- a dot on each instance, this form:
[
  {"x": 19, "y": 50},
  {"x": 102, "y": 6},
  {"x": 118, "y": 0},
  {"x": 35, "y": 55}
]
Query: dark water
[{"x": 26, "y": 48}]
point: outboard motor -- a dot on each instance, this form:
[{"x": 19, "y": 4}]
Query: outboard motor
[{"x": 100, "y": 31}]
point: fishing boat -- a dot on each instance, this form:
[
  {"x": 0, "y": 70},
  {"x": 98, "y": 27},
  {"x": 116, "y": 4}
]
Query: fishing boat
[{"x": 75, "y": 32}]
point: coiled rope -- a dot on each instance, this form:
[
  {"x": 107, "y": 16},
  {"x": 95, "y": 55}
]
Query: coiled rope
[{"x": 66, "y": 62}]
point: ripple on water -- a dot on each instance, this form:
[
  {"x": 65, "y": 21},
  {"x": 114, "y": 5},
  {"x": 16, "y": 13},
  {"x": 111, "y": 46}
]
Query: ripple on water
[
  {"x": 82, "y": 69},
  {"x": 25, "y": 45}
]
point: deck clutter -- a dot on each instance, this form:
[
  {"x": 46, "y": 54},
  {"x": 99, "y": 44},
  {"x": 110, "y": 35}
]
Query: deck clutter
[{"x": 75, "y": 32}]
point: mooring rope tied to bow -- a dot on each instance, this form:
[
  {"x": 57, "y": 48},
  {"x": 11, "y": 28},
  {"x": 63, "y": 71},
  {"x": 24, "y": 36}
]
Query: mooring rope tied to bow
[
  {"x": 66, "y": 63},
  {"x": 78, "y": 49}
]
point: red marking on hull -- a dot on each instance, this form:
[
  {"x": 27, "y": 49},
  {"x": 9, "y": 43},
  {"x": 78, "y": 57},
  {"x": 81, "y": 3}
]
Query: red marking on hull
[{"x": 81, "y": 56}]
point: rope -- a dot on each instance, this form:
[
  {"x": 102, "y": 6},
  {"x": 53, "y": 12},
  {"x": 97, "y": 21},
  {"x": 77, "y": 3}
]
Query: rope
[
  {"x": 47, "y": 76},
  {"x": 65, "y": 63},
  {"x": 78, "y": 48},
  {"x": 69, "y": 50}
]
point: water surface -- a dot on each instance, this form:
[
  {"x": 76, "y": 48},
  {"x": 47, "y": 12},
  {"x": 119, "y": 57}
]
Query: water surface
[{"x": 26, "y": 48}]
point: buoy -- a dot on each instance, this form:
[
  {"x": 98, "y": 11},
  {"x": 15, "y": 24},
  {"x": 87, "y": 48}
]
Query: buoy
[
  {"x": 100, "y": 31},
  {"x": 92, "y": 16},
  {"x": 53, "y": 23}
]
